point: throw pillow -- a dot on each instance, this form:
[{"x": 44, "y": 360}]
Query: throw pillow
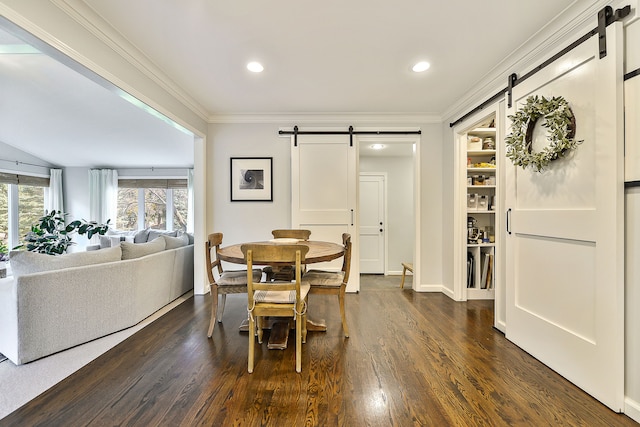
[
  {"x": 189, "y": 235},
  {"x": 112, "y": 241},
  {"x": 142, "y": 236},
  {"x": 154, "y": 234},
  {"x": 105, "y": 242},
  {"x": 25, "y": 262},
  {"x": 138, "y": 250},
  {"x": 175, "y": 242}
]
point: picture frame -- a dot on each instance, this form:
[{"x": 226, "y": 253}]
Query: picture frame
[{"x": 251, "y": 179}]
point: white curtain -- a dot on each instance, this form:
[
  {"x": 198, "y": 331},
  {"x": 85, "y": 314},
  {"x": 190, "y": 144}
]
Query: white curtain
[
  {"x": 53, "y": 195},
  {"x": 190, "y": 220},
  {"x": 103, "y": 195}
]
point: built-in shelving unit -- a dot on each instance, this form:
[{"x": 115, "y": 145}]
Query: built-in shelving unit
[{"x": 481, "y": 206}]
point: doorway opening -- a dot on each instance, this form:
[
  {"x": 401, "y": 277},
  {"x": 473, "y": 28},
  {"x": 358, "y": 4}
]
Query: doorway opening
[{"x": 388, "y": 206}]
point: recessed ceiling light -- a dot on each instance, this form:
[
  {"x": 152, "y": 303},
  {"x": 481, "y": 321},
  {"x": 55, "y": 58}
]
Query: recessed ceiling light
[
  {"x": 376, "y": 146},
  {"x": 421, "y": 66},
  {"x": 255, "y": 67}
]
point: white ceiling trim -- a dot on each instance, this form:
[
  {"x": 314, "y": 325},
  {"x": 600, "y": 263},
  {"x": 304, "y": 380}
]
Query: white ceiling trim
[
  {"x": 327, "y": 118},
  {"x": 84, "y": 15},
  {"x": 552, "y": 38}
]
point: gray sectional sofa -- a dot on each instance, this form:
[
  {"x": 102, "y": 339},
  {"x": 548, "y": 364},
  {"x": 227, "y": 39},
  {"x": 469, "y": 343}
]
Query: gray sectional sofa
[{"x": 55, "y": 303}]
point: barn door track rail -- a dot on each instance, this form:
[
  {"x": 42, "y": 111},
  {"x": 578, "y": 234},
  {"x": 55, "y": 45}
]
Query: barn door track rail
[
  {"x": 606, "y": 17},
  {"x": 295, "y": 132}
]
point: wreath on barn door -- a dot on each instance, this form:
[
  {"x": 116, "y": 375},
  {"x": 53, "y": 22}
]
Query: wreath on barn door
[{"x": 561, "y": 130}]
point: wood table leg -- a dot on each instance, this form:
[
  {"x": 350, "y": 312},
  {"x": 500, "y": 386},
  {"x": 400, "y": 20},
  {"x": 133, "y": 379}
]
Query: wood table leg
[
  {"x": 280, "y": 328},
  {"x": 279, "y": 334},
  {"x": 316, "y": 325}
]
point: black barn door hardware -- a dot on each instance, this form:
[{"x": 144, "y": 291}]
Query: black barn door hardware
[
  {"x": 295, "y": 132},
  {"x": 606, "y": 17}
]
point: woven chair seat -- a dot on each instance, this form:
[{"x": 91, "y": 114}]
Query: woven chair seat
[
  {"x": 238, "y": 277},
  {"x": 281, "y": 297},
  {"x": 324, "y": 278}
]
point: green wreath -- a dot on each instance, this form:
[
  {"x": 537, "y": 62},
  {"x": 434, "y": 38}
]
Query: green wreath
[{"x": 561, "y": 130}]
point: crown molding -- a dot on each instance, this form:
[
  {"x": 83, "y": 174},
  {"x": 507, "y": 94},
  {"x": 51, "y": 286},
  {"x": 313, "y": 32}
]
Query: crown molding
[
  {"x": 85, "y": 16},
  {"x": 326, "y": 118},
  {"x": 573, "y": 22}
]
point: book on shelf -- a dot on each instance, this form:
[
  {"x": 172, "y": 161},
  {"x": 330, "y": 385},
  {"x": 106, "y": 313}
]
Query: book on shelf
[
  {"x": 470, "y": 282},
  {"x": 486, "y": 279},
  {"x": 488, "y": 283},
  {"x": 485, "y": 269}
]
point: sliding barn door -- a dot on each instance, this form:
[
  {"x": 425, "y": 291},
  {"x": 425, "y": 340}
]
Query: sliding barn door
[
  {"x": 565, "y": 247},
  {"x": 323, "y": 193}
]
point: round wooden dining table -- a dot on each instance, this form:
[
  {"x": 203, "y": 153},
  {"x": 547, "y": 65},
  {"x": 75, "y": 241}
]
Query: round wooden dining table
[{"x": 319, "y": 251}]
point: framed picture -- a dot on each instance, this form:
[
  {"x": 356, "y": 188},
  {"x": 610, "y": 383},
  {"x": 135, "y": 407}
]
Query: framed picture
[{"x": 251, "y": 179}]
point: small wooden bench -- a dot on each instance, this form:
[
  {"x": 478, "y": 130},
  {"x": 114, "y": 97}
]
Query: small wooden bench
[{"x": 405, "y": 266}]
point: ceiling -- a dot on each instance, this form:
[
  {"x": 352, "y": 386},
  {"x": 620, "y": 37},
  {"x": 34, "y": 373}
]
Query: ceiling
[{"x": 327, "y": 57}]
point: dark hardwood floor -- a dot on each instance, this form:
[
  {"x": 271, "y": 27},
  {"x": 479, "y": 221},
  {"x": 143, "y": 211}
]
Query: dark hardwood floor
[{"x": 412, "y": 359}]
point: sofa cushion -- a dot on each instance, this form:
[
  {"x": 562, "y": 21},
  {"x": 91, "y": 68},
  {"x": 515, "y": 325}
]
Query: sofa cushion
[
  {"x": 175, "y": 242},
  {"x": 25, "y": 262},
  {"x": 138, "y": 250},
  {"x": 154, "y": 234}
]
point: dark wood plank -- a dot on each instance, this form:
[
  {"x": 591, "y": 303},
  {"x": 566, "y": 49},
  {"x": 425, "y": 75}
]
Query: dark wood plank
[{"x": 412, "y": 359}]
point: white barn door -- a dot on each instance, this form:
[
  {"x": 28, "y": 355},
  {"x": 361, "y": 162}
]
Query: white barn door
[
  {"x": 323, "y": 193},
  {"x": 565, "y": 247}
]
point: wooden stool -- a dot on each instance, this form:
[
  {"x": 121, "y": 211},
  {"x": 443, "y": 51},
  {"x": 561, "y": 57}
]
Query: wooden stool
[{"x": 405, "y": 266}]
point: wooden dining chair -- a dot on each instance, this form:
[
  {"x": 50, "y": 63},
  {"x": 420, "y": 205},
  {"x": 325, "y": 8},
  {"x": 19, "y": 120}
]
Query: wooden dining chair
[
  {"x": 285, "y": 272},
  {"x": 284, "y": 299},
  {"x": 292, "y": 233},
  {"x": 333, "y": 282},
  {"x": 223, "y": 282}
]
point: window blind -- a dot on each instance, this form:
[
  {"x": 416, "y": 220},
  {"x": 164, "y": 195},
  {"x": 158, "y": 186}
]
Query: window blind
[
  {"x": 152, "y": 183},
  {"x": 16, "y": 179}
]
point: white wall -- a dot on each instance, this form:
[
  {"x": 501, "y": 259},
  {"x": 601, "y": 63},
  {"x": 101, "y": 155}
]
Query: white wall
[
  {"x": 400, "y": 222},
  {"x": 76, "y": 200},
  {"x": 246, "y": 221},
  {"x": 448, "y": 205},
  {"x": 18, "y": 161}
]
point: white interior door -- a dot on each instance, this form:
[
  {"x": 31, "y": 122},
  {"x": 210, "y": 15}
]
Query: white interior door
[
  {"x": 565, "y": 248},
  {"x": 372, "y": 223},
  {"x": 323, "y": 193}
]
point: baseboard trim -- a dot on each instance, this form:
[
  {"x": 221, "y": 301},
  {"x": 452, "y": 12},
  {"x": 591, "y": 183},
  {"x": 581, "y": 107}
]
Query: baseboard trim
[
  {"x": 632, "y": 409},
  {"x": 431, "y": 288}
]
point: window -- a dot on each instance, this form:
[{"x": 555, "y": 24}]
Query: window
[
  {"x": 4, "y": 213},
  {"x": 180, "y": 203},
  {"x": 21, "y": 205},
  {"x": 127, "y": 209},
  {"x": 159, "y": 204},
  {"x": 155, "y": 208},
  {"x": 30, "y": 207}
]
